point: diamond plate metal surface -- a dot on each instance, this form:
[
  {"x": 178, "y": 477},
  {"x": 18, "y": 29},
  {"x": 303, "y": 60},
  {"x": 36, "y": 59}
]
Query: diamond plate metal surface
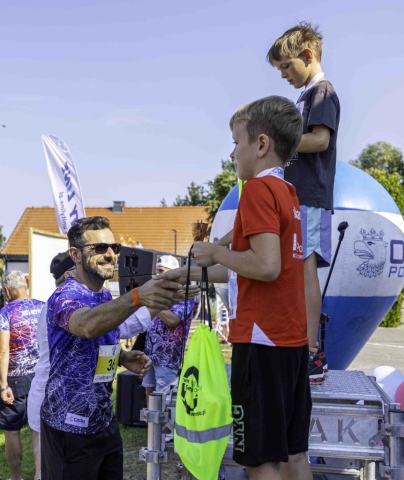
[{"x": 346, "y": 385}]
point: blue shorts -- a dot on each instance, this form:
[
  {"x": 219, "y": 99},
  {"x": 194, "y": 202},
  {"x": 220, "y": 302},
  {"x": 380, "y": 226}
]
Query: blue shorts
[
  {"x": 158, "y": 377},
  {"x": 316, "y": 233}
]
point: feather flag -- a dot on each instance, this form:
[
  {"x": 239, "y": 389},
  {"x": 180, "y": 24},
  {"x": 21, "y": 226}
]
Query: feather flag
[{"x": 66, "y": 189}]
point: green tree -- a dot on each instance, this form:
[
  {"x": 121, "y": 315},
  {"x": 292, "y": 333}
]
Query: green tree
[
  {"x": 392, "y": 183},
  {"x": 381, "y": 156},
  {"x": 197, "y": 196},
  {"x": 213, "y": 192}
]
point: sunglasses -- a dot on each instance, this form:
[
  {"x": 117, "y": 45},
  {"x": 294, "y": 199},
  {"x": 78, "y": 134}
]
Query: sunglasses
[{"x": 101, "y": 248}]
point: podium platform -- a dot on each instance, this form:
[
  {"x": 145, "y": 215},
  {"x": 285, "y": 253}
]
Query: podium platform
[{"x": 356, "y": 430}]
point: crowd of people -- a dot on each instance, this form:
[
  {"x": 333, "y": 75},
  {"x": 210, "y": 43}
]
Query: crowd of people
[{"x": 286, "y": 154}]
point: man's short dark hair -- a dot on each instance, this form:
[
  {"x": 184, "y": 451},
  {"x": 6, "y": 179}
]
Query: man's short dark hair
[{"x": 75, "y": 233}]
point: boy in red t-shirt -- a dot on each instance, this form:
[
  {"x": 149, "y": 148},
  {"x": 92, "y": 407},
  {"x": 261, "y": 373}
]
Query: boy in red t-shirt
[{"x": 270, "y": 387}]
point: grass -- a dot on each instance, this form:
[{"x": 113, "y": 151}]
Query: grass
[{"x": 134, "y": 438}]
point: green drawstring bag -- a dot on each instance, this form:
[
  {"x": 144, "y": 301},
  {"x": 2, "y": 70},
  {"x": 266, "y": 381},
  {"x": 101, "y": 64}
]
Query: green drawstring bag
[{"x": 203, "y": 418}]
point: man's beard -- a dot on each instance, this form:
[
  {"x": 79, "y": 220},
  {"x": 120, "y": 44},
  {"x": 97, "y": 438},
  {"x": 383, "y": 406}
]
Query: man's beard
[{"x": 96, "y": 272}]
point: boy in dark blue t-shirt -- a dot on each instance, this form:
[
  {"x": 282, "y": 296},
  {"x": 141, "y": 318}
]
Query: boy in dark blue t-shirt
[{"x": 297, "y": 55}]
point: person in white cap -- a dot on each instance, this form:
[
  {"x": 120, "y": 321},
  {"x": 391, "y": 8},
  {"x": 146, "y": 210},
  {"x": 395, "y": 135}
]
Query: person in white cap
[{"x": 164, "y": 339}]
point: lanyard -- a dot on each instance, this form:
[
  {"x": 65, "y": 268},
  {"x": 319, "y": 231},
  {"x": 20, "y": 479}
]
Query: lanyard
[
  {"x": 317, "y": 77},
  {"x": 276, "y": 172}
]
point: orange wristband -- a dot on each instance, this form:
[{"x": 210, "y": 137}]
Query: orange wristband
[{"x": 135, "y": 296}]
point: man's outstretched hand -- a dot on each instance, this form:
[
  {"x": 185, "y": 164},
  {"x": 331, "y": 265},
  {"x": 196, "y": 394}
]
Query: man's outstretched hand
[
  {"x": 136, "y": 362},
  {"x": 176, "y": 275},
  {"x": 162, "y": 294}
]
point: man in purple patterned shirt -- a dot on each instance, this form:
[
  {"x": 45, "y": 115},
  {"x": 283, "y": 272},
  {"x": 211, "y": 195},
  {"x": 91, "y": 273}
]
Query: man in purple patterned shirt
[
  {"x": 80, "y": 436},
  {"x": 164, "y": 339}
]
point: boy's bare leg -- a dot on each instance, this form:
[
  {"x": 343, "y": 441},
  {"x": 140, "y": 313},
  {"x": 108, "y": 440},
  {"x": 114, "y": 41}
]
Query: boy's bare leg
[
  {"x": 36, "y": 450},
  {"x": 297, "y": 468},
  {"x": 312, "y": 294},
  {"x": 266, "y": 471},
  {"x": 13, "y": 453}
]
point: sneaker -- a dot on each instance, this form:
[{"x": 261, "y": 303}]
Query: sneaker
[
  {"x": 323, "y": 358},
  {"x": 315, "y": 369}
]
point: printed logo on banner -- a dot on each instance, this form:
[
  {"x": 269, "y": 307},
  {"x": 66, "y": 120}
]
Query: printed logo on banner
[{"x": 372, "y": 249}]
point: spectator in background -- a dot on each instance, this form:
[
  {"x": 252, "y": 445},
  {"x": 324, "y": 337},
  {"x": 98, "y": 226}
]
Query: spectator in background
[
  {"x": 61, "y": 267},
  {"x": 165, "y": 337},
  {"x": 18, "y": 357}
]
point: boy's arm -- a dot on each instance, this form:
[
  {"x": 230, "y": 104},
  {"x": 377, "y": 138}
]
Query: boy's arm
[
  {"x": 226, "y": 239},
  {"x": 261, "y": 262},
  {"x": 216, "y": 273},
  {"x": 315, "y": 141}
]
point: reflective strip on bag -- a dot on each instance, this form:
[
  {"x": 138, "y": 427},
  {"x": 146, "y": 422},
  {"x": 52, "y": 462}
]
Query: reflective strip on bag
[{"x": 206, "y": 435}]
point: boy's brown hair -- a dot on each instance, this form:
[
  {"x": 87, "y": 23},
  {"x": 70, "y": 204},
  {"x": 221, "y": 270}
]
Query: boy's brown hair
[
  {"x": 295, "y": 40},
  {"x": 276, "y": 117}
]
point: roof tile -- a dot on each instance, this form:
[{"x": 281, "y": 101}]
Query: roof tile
[{"x": 151, "y": 226}]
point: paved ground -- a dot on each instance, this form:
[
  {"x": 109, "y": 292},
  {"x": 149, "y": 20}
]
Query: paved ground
[{"x": 385, "y": 347}]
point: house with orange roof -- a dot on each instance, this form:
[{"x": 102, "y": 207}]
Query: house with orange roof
[{"x": 165, "y": 229}]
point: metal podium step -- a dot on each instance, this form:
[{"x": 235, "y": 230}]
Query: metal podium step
[{"x": 356, "y": 430}]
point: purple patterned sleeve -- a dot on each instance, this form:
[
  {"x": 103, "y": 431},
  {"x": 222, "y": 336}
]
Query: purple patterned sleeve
[
  {"x": 178, "y": 310},
  {"x": 64, "y": 305},
  {"x": 4, "y": 321}
]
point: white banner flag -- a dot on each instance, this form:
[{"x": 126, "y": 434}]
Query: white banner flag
[{"x": 65, "y": 182}]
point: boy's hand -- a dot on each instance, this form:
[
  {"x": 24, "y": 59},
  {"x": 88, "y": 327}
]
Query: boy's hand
[
  {"x": 176, "y": 274},
  {"x": 204, "y": 253}
]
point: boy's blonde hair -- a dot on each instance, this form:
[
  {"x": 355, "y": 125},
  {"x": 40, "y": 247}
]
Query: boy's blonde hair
[
  {"x": 292, "y": 43},
  {"x": 276, "y": 117}
]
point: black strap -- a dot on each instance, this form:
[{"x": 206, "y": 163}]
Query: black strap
[
  {"x": 205, "y": 306},
  {"x": 184, "y": 323},
  {"x": 205, "y": 298}
]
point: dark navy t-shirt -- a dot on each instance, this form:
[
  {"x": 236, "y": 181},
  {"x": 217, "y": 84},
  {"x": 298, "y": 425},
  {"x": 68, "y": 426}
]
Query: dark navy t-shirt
[
  {"x": 73, "y": 402},
  {"x": 312, "y": 174}
]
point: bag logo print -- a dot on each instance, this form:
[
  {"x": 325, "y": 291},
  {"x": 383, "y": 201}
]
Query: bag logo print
[{"x": 191, "y": 387}]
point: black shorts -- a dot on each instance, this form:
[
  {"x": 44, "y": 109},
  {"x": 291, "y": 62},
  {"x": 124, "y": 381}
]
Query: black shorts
[
  {"x": 13, "y": 417},
  {"x": 68, "y": 456},
  {"x": 271, "y": 403}
]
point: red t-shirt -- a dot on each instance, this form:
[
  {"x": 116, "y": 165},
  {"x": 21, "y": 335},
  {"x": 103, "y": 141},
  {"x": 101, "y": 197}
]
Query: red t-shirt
[{"x": 270, "y": 313}]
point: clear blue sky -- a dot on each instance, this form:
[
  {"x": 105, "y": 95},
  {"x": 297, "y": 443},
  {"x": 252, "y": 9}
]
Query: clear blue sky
[{"x": 142, "y": 90}]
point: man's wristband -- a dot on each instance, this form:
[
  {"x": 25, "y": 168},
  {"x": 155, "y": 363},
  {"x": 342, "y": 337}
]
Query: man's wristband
[
  {"x": 4, "y": 388},
  {"x": 135, "y": 296}
]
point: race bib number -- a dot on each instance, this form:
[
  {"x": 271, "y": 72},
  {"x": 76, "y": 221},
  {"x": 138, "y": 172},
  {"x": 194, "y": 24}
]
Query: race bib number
[{"x": 108, "y": 358}]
